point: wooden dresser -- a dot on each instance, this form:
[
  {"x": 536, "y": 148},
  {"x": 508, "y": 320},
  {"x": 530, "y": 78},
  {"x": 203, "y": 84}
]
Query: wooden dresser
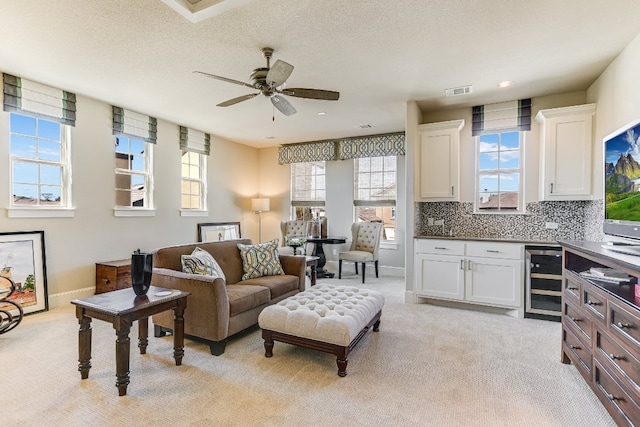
[
  {"x": 113, "y": 275},
  {"x": 601, "y": 327}
]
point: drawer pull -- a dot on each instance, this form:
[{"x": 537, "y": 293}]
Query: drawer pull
[
  {"x": 572, "y": 288},
  {"x": 592, "y": 302},
  {"x": 609, "y": 395},
  {"x": 573, "y": 347},
  {"x": 493, "y": 251},
  {"x": 440, "y": 248},
  {"x": 623, "y": 325},
  {"x": 574, "y": 319},
  {"x": 106, "y": 281},
  {"x": 614, "y": 357}
]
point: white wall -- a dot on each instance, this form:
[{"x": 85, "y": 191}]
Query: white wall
[
  {"x": 616, "y": 92},
  {"x": 74, "y": 245}
]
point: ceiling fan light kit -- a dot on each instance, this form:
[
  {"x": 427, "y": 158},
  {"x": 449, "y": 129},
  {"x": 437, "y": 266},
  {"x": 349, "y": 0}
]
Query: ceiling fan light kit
[{"x": 271, "y": 82}]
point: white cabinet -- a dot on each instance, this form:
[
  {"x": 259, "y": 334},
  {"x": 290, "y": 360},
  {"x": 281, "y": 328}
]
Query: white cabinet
[
  {"x": 437, "y": 161},
  {"x": 566, "y": 150},
  {"x": 487, "y": 273}
]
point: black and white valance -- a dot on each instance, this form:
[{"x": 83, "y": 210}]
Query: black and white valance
[
  {"x": 502, "y": 117},
  {"x": 134, "y": 125},
  {"x": 307, "y": 152},
  {"x": 36, "y": 99},
  {"x": 194, "y": 141},
  {"x": 390, "y": 144}
]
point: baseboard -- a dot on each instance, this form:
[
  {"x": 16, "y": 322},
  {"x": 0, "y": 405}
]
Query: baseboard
[{"x": 63, "y": 298}]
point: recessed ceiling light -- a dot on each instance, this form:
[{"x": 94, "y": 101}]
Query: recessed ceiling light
[
  {"x": 321, "y": 113},
  {"x": 505, "y": 83}
]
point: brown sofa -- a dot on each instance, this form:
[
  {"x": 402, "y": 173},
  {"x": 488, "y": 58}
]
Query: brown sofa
[{"x": 217, "y": 309}]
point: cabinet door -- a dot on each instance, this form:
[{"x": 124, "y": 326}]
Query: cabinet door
[
  {"x": 494, "y": 281},
  {"x": 566, "y": 153},
  {"x": 440, "y": 276},
  {"x": 437, "y": 174}
]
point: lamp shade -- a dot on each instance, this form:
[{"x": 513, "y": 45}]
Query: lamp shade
[{"x": 260, "y": 204}]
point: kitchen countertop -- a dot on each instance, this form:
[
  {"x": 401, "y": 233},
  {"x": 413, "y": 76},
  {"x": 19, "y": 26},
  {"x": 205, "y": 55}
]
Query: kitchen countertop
[{"x": 489, "y": 239}]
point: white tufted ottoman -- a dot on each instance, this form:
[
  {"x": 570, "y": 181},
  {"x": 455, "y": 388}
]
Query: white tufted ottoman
[{"x": 327, "y": 318}]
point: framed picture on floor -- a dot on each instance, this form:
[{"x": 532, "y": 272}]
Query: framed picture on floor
[
  {"x": 217, "y": 231},
  {"x": 22, "y": 260}
]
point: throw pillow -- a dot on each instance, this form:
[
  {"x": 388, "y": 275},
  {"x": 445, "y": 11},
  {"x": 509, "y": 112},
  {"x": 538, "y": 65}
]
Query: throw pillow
[
  {"x": 260, "y": 260},
  {"x": 201, "y": 262}
]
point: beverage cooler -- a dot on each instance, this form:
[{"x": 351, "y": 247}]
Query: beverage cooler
[{"x": 543, "y": 282}]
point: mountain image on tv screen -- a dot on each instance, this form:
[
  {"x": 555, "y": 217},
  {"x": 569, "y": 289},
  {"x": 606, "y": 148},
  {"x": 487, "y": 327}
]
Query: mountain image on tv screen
[{"x": 622, "y": 175}]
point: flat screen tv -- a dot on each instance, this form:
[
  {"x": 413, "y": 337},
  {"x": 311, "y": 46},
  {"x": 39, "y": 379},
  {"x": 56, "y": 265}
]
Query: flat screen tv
[{"x": 622, "y": 182}]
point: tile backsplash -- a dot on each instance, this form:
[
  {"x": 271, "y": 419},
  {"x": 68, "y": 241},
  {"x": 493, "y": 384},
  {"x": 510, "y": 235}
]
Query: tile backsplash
[{"x": 575, "y": 219}]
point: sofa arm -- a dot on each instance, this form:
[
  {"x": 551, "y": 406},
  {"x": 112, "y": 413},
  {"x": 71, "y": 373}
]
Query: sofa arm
[
  {"x": 207, "y": 313},
  {"x": 295, "y": 265}
]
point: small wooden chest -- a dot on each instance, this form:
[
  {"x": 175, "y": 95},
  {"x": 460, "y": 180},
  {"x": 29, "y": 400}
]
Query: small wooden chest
[{"x": 113, "y": 275}]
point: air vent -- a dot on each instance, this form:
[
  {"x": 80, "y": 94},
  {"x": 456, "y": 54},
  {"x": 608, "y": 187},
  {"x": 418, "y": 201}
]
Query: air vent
[
  {"x": 456, "y": 91},
  {"x": 367, "y": 126}
]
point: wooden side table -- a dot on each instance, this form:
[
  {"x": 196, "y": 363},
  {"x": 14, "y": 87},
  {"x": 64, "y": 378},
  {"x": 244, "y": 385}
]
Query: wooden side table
[
  {"x": 121, "y": 308},
  {"x": 312, "y": 262},
  {"x": 113, "y": 275}
]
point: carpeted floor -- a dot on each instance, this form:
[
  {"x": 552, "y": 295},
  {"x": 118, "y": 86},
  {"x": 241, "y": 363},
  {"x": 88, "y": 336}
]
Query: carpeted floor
[{"x": 428, "y": 366}]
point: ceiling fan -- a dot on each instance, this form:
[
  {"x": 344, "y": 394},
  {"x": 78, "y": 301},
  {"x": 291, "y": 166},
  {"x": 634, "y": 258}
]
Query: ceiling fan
[{"x": 271, "y": 82}]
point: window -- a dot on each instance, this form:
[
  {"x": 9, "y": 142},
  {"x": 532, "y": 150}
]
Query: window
[
  {"x": 133, "y": 172},
  {"x": 40, "y": 162},
  {"x": 308, "y": 190},
  {"x": 375, "y": 192},
  {"x": 499, "y": 170},
  {"x": 192, "y": 195}
]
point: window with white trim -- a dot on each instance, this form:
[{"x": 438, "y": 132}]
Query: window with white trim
[
  {"x": 308, "y": 189},
  {"x": 193, "y": 183},
  {"x": 133, "y": 172},
  {"x": 40, "y": 162},
  {"x": 499, "y": 173},
  {"x": 375, "y": 183}
]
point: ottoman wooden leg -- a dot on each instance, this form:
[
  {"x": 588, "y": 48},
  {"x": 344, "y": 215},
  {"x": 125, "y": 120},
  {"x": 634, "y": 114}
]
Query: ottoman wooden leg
[
  {"x": 342, "y": 353},
  {"x": 268, "y": 343}
]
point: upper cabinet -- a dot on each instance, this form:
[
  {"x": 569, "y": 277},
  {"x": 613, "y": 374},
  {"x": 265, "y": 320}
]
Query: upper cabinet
[
  {"x": 566, "y": 151},
  {"x": 437, "y": 175}
]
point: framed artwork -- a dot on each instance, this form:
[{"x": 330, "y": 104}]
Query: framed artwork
[
  {"x": 216, "y": 231},
  {"x": 22, "y": 260}
]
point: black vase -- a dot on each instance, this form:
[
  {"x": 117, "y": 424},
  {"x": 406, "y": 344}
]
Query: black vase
[{"x": 141, "y": 270}]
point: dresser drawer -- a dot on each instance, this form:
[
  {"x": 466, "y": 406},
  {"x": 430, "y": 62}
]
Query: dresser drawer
[
  {"x": 571, "y": 286},
  {"x": 594, "y": 301},
  {"x": 625, "y": 364},
  {"x": 625, "y": 325},
  {"x": 577, "y": 320},
  {"x": 615, "y": 398},
  {"x": 578, "y": 352},
  {"x": 440, "y": 247},
  {"x": 113, "y": 275},
  {"x": 495, "y": 250}
]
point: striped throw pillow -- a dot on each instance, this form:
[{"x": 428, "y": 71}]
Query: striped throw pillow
[
  {"x": 260, "y": 260},
  {"x": 201, "y": 262}
]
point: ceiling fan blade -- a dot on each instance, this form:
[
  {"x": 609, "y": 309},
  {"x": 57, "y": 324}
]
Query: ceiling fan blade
[
  {"x": 238, "y": 99},
  {"x": 279, "y": 73},
  {"x": 327, "y": 95},
  {"x": 283, "y": 105},
  {"x": 224, "y": 79}
]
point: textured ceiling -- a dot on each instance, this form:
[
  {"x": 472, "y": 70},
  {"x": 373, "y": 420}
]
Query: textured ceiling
[{"x": 378, "y": 54}]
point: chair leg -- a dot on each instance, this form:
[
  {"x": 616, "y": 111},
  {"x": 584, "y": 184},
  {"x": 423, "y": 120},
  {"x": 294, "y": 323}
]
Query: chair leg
[
  {"x": 376, "y": 264},
  {"x": 363, "y": 267},
  {"x": 340, "y": 269},
  {"x": 356, "y": 265}
]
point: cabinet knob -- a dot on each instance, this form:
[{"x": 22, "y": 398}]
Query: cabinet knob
[
  {"x": 614, "y": 357},
  {"x": 623, "y": 325},
  {"x": 106, "y": 281},
  {"x": 592, "y": 302},
  {"x": 609, "y": 395},
  {"x": 573, "y": 347},
  {"x": 571, "y": 288},
  {"x": 574, "y": 319}
]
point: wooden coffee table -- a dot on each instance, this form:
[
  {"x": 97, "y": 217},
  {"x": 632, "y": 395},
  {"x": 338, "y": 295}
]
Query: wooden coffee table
[{"x": 121, "y": 308}]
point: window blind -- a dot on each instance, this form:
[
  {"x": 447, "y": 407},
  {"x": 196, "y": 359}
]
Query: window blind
[
  {"x": 501, "y": 117},
  {"x": 134, "y": 125},
  {"x": 375, "y": 181},
  {"x": 36, "y": 99},
  {"x": 194, "y": 141},
  {"x": 308, "y": 184}
]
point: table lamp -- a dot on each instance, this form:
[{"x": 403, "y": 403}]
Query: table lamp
[{"x": 259, "y": 205}]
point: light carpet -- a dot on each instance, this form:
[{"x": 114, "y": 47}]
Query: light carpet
[{"x": 427, "y": 366}]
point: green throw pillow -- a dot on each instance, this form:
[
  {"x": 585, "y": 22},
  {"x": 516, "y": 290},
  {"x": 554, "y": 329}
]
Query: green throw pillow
[
  {"x": 201, "y": 262},
  {"x": 260, "y": 260}
]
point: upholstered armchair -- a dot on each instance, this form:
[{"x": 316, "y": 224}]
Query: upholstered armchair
[
  {"x": 365, "y": 246},
  {"x": 299, "y": 228}
]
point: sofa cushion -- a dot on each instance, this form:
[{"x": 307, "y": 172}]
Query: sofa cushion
[
  {"x": 201, "y": 262},
  {"x": 278, "y": 285},
  {"x": 260, "y": 260},
  {"x": 245, "y": 297}
]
